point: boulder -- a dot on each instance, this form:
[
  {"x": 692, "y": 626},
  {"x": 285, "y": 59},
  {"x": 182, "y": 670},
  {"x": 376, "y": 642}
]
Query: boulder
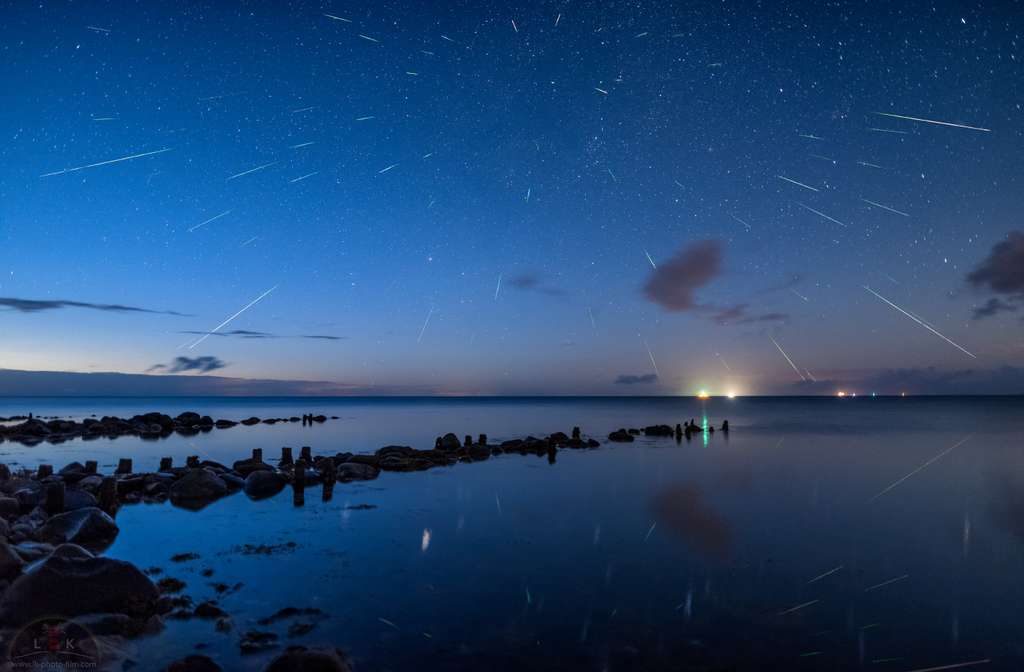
[
  {"x": 198, "y": 488},
  {"x": 301, "y": 659},
  {"x": 78, "y": 499},
  {"x": 251, "y": 421},
  {"x": 10, "y": 562},
  {"x": 194, "y": 663},
  {"x": 72, "y": 582},
  {"x": 261, "y": 484},
  {"x": 246, "y": 467},
  {"x": 30, "y": 551},
  {"x": 9, "y": 506},
  {"x": 450, "y": 442},
  {"x": 620, "y": 435},
  {"x": 357, "y": 471},
  {"x": 659, "y": 430},
  {"x": 89, "y": 527}
]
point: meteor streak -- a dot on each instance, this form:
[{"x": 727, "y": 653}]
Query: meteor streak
[
  {"x": 820, "y": 214},
  {"x": 932, "y": 121},
  {"x": 799, "y": 184},
  {"x": 802, "y": 377},
  {"x": 222, "y": 324},
  {"x": 215, "y": 217},
  {"x": 921, "y": 322},
  {"x": 885, "y": 207},
  {"x": 105, "y": 163}
]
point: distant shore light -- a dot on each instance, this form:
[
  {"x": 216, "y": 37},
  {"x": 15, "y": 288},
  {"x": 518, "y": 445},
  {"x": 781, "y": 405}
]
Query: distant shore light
[{"x": 703, "y": 394}]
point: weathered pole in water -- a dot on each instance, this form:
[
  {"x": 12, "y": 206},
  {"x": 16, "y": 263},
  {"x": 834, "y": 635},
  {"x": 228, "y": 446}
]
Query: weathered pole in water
[{"x": 55, "y": 498}]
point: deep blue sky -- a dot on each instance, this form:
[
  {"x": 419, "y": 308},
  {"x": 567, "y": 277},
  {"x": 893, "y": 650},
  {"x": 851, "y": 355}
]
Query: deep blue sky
[{"x": 552, "y": 144}]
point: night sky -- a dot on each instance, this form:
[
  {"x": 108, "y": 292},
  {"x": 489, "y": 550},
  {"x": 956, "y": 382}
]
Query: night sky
[{"x": 481, "y": 198}]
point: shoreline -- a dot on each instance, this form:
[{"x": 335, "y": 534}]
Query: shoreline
[{"x": 56, "y": 525}]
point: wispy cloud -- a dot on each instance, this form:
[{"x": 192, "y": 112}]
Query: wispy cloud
[
  {"x": 39, "y": 305},
  {"x": 532, "y": 282},
  {"x": 629, "y": 379},
  {"x": 245, "y": 333},
  {"x": 203, "y": 364}
]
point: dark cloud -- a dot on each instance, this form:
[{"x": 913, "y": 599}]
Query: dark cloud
[
  {"x": 200, "y": 364},
  {"x": 532, "y": 282},
  {"x": 738, "y": 314},
  {"x": 1002, "y": 271},
  {"x": 627, "y": 379},
  {"x": 240, "y": 333},
  {"x": 36, "y": 306},
  {"x": 673, "y": 283},
  {"x": 243, "y": 333},
  {"x": 993, "y": 306}
]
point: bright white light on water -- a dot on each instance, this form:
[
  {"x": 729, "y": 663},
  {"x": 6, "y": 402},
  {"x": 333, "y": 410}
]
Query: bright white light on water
[
  {"x": 425, "y": 544},
  {"x": 731, "y": 394}
]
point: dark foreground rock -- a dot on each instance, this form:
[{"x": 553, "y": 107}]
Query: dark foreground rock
[
  {"x": 71, "y": 582},
  {"x": 620, "y": 435},
  {"x": 261, "y": 484},
  {"x": 197, "y": 489},
  {"x": 301, "y": 659},
  {"x": 88, "y": 527}
]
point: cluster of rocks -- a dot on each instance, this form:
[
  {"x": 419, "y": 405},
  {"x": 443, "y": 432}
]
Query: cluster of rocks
[
  {"x": 55, "y": 525},
  {"x": 148, "y": 426},
  {"x": 686, "y": 430}
]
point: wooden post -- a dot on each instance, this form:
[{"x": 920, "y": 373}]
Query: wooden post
[
  {"x": 328, "y": 475},
  {"x": 286, "y": 456},
  {"x": 482, "y": 440},
  {"x": 299, "y": 484},
  {"x": 90, "y": 466},
  {"x": 306, "y": 454},
  {"x": 576, "y": 433},
  {"x": 55, "y": 498},
  {"x": 192, "y": 462},
  {"x": 45, "y": 470},
  {"x": 124, "y": 465},
  {"x": 108, "y": 495},
  {"x": 257, "y": 455},
  {"x": 166, "y": 464}
]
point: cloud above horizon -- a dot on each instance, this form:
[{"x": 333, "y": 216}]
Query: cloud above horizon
[
  {"x": 532, "y": 282},
  {"x": 673, "y": 285},
  {"x": 1001, "y": 273},
  {"x": 39, "y": 305},
  {"x": 245, "y": 333},
  {"x": 203, "y": 364},
  {"x": 628, "y": 379},
  {"x": 928, "y": 380}
]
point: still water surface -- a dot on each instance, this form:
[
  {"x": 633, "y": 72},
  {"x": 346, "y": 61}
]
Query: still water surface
[{"x": 792, "y": 543}]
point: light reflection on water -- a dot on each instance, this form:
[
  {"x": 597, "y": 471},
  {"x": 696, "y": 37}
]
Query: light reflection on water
[{"x": 651, "y": 555}]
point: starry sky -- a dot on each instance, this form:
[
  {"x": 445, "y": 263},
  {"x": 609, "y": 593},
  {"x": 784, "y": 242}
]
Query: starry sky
[{"x": 545, "y": 198}]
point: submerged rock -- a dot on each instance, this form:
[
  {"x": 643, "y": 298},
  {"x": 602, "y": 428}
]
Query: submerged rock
[
  {"x": 261, "y": 484},
  {"x": 357, "y": 471},
  {"x": 88, "y": 527},
  {"x": 620, "y": 435},
  {"x": 71, "y": 582},
  {"x": 197, "y": 489}
]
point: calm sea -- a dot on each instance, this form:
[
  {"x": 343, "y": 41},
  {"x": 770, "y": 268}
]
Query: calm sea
[{"x": 820, "y": 534}]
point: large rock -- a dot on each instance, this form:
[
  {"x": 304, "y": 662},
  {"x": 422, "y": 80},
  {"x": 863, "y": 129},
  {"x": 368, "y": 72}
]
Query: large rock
[
  {"x": 261, "y": 484},
  {"x": 75, "y": 499},
  {"x": 72, "y": 582},
  {"x": 357, "y": 471},
  {"x": 10, "y": 562},
  {"x": 88, "y": 527},
  {"x": 301, "y": 659},
  {"x": 246, "y": 467},
  {"x": 9, "y": 506},
  {"x": 620, "y": 435},
  {"x": 198, "y": 488},
  {"x": 449, "y": 442}
]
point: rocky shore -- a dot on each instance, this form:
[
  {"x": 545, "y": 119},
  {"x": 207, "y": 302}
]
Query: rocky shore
[
  {"x": 54, "y": 525},
  {"x": 31, "y": 431}
]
